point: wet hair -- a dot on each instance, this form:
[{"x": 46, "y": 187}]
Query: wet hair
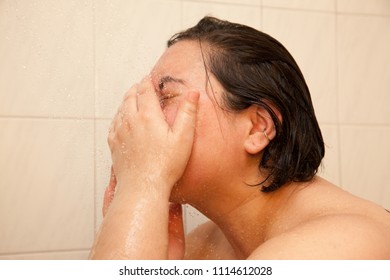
[{"x": 256, "y": 69}]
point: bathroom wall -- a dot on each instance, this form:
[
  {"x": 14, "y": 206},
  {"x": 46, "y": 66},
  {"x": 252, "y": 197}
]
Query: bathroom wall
[{"x": 65, "y": 64}]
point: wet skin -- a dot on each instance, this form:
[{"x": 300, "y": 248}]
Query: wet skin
[{"x": 185, "y": 150}]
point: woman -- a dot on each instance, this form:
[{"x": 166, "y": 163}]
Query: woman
[{"x": 225, "y": 123}]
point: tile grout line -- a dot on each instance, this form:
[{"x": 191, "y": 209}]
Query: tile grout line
[
  {"x": 44, "y": 252},
  {"x": 339, "y": 157},
  {"x": 53, "y": 118},
  {"x": 94, "y": 73},
  {"x": 362, "y": 14},
  {"x": 335, "y": 11}
]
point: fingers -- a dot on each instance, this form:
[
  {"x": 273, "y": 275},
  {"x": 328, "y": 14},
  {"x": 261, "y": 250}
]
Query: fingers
[
  {"x": 130, "y": 100},
  {"x": 141, "y": 98},
  {"x": 125, "y": 111},
  {"x": 186, "y": 115},
  {"x": 147, "y": 100},
  {"x": 129, "y": 105}
]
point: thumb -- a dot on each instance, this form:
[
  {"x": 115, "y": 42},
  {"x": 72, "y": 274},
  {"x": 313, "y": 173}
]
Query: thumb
[{"x": 186, "y": 115}]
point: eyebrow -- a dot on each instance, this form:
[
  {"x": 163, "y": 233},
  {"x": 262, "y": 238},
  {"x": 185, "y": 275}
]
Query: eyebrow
[{"x": 168, "y": 79}]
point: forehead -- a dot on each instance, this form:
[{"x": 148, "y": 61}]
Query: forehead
[{"x": 182, "y": 60}]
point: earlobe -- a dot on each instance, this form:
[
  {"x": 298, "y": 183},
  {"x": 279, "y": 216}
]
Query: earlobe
[{"x": 255, "y": 143}]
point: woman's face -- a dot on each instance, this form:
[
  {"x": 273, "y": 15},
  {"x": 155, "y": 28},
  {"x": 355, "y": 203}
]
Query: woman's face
[{"x": 216, "y": 145}]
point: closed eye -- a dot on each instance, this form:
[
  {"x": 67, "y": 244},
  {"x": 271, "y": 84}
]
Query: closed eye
[
  {"x": 168, "y": 79},
  {"x": 167, "y": 98}
]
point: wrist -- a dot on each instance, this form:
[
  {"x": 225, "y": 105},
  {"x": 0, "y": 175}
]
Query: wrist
[{"x": 146, "y": 187}]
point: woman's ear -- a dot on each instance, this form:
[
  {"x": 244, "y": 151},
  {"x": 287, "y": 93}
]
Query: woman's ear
[{"x": 261, "y": 132}]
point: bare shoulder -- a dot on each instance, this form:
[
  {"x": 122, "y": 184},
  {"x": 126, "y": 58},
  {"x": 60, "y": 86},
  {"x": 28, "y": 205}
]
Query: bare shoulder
[
  {"x": 330, "y": 237},
  {"x": 338, "y": 236},
  {"x": 207, "y": 242}
]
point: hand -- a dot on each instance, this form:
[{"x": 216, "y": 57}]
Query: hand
[{"x": 143, "y": 146}]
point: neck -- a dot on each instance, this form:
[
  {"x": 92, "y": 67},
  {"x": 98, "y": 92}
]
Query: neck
[{"x": 246, "y": 216}]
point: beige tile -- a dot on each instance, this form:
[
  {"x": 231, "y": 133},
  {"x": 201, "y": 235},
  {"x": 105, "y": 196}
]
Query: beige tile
[
  {"x": 310, "y": 38},
  {"x": 46, "y": 185},
  {"x": 318, "y": 5},
  {"x": 130, "y": 36},
  {"x": 365, "y": 161},
  {"x": 193, "y": 218},
  {"x": 71, "y": 255},
  {"x": 103, "y": 167},
  {"x": 364, "y": 69},
  {"x": 194, "y": 11},
  {"x": 238, "y": 2},
  {"x": 46, "y": 64},
  {"x": 373, "y": 7},
  {"x": 330, "y": 168}
]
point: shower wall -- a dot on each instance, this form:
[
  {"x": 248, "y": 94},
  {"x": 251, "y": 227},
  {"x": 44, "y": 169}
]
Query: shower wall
[{"x": 65, "y": 65}]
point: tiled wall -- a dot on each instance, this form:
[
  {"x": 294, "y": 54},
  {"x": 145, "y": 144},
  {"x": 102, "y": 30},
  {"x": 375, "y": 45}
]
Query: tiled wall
[{"x": 65, "y": 64}]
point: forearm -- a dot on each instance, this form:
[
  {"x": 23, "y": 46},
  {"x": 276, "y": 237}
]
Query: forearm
[{"x": 135, "y": 227}]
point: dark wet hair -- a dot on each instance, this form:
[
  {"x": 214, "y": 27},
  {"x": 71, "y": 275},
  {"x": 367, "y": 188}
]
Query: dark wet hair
[{"x": 255, "y": 69}]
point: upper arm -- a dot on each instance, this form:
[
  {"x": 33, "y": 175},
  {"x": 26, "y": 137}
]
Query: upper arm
[{"x": 330, "y": 237}]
